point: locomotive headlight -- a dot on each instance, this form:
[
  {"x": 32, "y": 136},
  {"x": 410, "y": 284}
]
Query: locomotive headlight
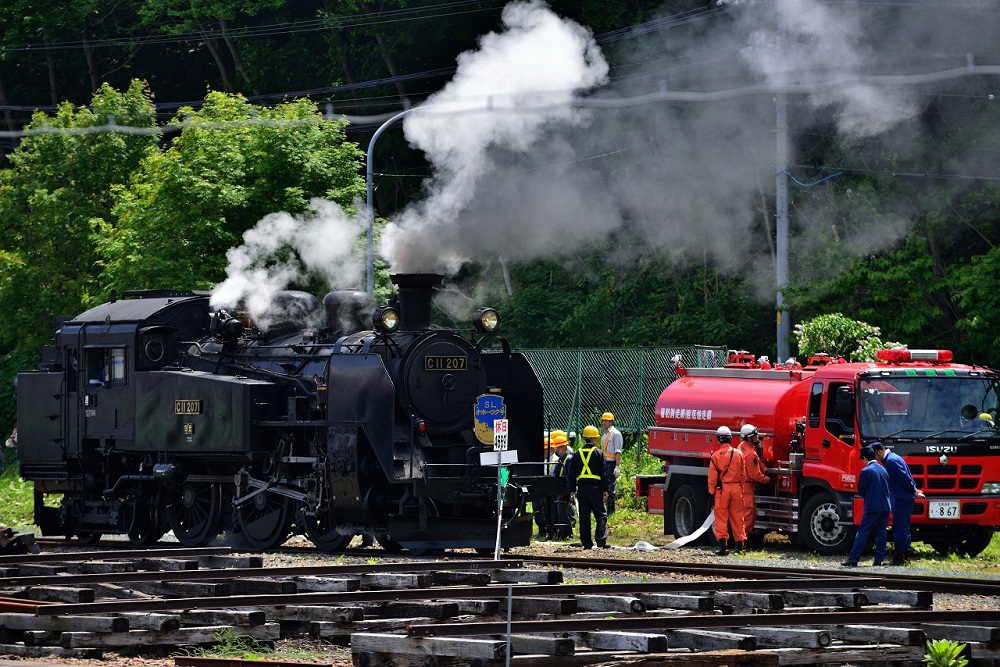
[
  {"x": 386, "y": 318},
  {"x": 487, "y": 320}
]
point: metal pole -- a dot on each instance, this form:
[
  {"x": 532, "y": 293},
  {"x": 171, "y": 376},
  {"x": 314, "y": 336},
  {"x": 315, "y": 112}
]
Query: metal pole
[
  {"x": 371, "y": 205},
  {"x": 500, "y": 490},
  {"x": 781, "y": 231}
]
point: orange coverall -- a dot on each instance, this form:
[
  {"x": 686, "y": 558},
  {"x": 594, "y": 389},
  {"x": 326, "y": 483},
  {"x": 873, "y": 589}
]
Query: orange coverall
[
  {"x": 756, "y": 474},
  {"x": 727, "y": 464}
]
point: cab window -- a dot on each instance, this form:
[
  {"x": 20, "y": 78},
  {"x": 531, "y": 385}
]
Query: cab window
[
  {"x": 838, "y": 423},
  {"x": 106, "y": 366}
]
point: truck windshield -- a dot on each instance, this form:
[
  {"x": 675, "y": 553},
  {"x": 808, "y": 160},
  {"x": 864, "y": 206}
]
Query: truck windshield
[{"x": 922, "y": 407}]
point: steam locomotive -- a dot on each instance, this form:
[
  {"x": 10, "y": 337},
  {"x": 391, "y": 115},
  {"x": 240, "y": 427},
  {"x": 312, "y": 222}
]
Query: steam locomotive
[{"x": 154, "y": 412}]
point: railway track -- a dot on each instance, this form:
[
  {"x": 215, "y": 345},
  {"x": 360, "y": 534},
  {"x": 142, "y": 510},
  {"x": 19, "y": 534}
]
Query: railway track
[{"x": 475, "y": 611}]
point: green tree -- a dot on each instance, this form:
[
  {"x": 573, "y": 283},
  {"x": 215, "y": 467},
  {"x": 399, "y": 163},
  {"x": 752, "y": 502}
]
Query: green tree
[
  {"x": 647, "y": 301},
  {"x": 978, "y": 293},
  {"x": 59, "y": 179},
  {"x": 213, "y": 21},
  {"x": 232, "y": 163}
]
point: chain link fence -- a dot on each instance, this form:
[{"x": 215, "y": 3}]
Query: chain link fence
[{"x": 581, "y": 384}]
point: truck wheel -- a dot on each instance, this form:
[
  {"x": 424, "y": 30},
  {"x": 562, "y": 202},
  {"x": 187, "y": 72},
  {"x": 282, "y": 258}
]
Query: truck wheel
[
  {"x": 820, "y": 529},
  {"x": 970, "y": 541},
  {"x": 688, "y": 510}
]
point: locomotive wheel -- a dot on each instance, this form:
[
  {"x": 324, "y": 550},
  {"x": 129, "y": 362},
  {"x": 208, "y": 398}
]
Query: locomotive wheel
[
  {"x": 322, "y": 531},
  {"x": 264, "y": 521},
  {"x": 389, "y": 544},
  {"x": 144, "y": 524},
  {"x": 820, "y": 529},
  {"x": 194, "y": 512}
]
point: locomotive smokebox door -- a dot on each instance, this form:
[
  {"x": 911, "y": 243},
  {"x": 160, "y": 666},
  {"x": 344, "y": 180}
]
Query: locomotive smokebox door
[{"x": 441, "y": 378}]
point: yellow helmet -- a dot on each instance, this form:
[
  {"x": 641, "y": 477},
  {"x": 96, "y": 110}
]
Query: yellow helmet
[
  {"x": 591, "y": 432},
  {"x": 558, "y": 438},
  {"x": 607, "y": 417}
]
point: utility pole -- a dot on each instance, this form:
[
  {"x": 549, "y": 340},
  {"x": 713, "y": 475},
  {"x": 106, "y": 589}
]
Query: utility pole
[{"x": 781, "y": 231}]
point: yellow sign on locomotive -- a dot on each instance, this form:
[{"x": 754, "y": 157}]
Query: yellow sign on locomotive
[{"x": 187, "y": 407}]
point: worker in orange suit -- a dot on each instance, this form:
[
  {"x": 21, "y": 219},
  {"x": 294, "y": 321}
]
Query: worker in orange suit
[
  {"x": 726, "y": 474},
  {"x": 753, "y": 455}
]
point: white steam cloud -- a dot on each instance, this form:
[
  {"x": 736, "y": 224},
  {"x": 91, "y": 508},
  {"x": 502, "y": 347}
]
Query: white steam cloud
[
  {"x": 802, "y": 43},
  {"x": 521, "y": 172},
  {"x": 532, "y": 70},
  {"x": 322, "y": 243}
]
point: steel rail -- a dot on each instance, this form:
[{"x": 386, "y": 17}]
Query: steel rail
[
  {"x": 178, "y": 552},
  {"x": 199, "y": 661},
  {"x": 850, "y": 616},
  {"x": 494, "y": 591},
  {"x": 737, "y": 569},
  {"x": 256, "y": 572},
  {"x": 939, "y": 584}
]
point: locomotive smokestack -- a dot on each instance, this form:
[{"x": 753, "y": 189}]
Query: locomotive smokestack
[{"x": 415, "y": 292}]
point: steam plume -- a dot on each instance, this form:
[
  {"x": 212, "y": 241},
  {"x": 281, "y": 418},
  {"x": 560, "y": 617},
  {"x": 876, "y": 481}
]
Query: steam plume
[{"x": 520, "y": 172}]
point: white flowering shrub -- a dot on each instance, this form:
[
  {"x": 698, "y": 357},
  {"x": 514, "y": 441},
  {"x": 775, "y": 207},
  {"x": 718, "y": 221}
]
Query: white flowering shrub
[{"x": 840, "y": 336}]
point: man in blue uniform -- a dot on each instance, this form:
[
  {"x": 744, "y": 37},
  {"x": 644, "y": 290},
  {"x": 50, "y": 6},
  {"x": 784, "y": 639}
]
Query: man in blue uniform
[
  {"x": 902, "y": 492},
  {"x": 873, "y": 486}
]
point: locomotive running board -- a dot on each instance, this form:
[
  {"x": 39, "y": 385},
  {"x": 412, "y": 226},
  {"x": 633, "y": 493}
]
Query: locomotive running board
[{"x": 681, "y": 541}]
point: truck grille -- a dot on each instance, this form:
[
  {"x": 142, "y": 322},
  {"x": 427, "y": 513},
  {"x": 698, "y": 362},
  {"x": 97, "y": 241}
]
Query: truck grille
[{"x": 946, "y": 478}]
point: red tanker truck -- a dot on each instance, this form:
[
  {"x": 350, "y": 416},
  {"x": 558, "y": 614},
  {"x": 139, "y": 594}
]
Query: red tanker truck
[{"x": 941, "y": 417}]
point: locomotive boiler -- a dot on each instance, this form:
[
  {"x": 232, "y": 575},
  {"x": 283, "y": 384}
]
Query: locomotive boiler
[{"x": 155, "y": 413}]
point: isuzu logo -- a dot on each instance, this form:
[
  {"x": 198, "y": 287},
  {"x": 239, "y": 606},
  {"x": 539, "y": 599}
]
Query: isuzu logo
[{"x": 941, "y": 449}]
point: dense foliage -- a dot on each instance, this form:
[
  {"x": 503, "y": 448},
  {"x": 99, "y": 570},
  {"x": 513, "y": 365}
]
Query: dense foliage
[{"x": 898, "y": 241}]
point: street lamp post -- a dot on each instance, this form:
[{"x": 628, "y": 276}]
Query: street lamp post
[
  {"x": 371, "y": 204},
  {"x": 781, "y": 229}
]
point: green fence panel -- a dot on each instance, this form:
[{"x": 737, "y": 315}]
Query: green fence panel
[{"x": 580, "y": 384}]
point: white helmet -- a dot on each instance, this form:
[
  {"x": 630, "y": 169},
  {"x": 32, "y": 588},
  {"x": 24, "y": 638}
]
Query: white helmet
[
  {"x": 747, "y": 430},
  {"x": 723, "y": 434}
]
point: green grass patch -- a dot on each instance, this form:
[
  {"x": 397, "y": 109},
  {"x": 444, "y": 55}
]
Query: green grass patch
[
  {"x": 18, "y": 508},
  {"x": 230, "y": 645}
]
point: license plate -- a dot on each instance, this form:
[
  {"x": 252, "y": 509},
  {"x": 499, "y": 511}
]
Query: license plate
[{"x": 943, "y": 509}]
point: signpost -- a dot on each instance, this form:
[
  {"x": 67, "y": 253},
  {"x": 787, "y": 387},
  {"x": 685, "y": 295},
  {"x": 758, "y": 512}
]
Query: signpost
[{"x": 499, "y": 457}]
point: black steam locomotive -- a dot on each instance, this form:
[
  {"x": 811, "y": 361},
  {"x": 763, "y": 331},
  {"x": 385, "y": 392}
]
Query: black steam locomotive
[{"x": 153, "y": 413}]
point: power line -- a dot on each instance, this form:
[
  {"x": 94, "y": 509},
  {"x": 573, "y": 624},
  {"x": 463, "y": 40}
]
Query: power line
[
  {"x": 312, "y": 25},
  {"x": 512, "y": 104}
]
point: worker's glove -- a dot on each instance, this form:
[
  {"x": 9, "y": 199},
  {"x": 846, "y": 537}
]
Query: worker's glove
[{"x": 618, "y": 471}]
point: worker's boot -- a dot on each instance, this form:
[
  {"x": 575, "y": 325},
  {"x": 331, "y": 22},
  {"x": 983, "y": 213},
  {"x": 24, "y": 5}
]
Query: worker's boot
[
  {"x": 740, "y": 547},
  {"x": 722, "y": 550}
]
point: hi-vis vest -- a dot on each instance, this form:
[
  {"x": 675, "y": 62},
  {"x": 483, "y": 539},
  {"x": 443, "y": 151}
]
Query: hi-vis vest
[
  {"x": 606, "y": 440},
  {"x": 585, "y": 455}
]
